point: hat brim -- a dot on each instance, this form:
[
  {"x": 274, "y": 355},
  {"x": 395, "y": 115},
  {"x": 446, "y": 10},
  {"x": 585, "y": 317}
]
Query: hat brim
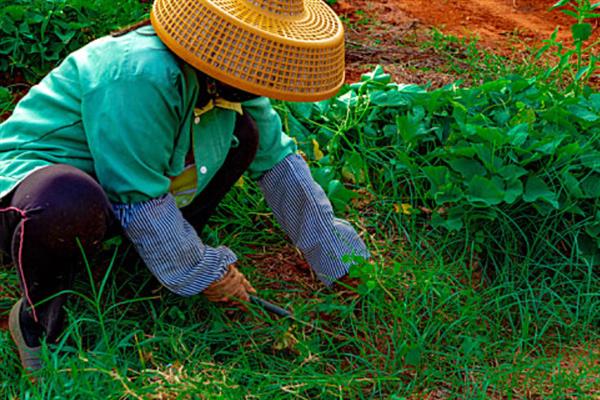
[{"x": 294, "y": 58}]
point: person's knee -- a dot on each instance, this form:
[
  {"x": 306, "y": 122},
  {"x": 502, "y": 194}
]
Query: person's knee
[{"x": 63, "y": 205}]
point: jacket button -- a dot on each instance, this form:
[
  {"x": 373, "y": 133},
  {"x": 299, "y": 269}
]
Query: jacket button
[
  {"x": 203, "y": 170},
  {"x": 197, "y": 120}
]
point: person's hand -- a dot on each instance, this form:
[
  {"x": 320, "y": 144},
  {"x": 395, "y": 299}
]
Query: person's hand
[{"x": 231, "y": 287}]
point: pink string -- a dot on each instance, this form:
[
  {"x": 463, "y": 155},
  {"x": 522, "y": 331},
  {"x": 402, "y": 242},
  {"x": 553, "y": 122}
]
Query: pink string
[{"x": 20, "y": 256}]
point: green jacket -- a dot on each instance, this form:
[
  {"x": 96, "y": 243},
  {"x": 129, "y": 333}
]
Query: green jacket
[{"x": 122, "y": 110}]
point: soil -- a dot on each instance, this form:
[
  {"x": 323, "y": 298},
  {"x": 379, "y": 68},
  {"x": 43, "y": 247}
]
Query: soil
[
  {"x": 285, "y": 270},
  {"x": 493, "y": 21},
  {"x": 390, "y": 32}
]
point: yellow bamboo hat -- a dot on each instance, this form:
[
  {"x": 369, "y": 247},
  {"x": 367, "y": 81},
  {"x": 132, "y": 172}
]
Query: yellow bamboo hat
[{"x": 284, "y": 49}]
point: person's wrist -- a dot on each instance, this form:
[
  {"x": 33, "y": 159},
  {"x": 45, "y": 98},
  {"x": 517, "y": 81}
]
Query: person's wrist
[{"x": 232, "y": 286}]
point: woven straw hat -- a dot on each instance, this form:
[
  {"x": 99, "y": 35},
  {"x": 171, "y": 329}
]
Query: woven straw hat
[{"x": 284, "y": 49}]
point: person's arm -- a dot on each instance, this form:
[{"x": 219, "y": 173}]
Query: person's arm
[
  {"x": 132, "y": 125},
  {"x": 171, "y": 248},
  {"x": 306, "y": 215},
  {"x": 298, "y": 202},
  {"x": 273, "y": 144}
]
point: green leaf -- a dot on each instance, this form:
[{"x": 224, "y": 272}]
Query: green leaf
[
  {"x": 377, "y": 75},
  {"x": 176, "y": 313},
  {"x": 5, "y": 95},
  {"x": 410, "y": 126},
  {"x": 513, "y": 190},
  {"x": 403, "y": 161},
  {"x": 560, "y": 4},
  {"x": 549, "y": 144},
  {"x": 591, "y": 159},
  {"x": 349, "y": 99},
  {"x": 16, "y": 13},
  {"x": 518, "y": 134},
  {"x": 451, "y": 222},
  {"x": 339, "y": 195},
  {"x": 485, "y": 192},
  {"x": 572, "y": 185},
  {"x": 438, "y": 177},
  {"x": 354, "y": 168},
  {"x": 66, "y": 36},
  {"x": 323, "y": 175},
  {"x": 303, "y": 110},
  {"x": 588, "y": 247},
  {"x": 391, "y": 98},
  {"x": 584, "y": 113},
  {"x": 449, "y": 193},
  {"x": 467, "y": 167},
  {"x": 582, "y": 71},
  {"x": 537, "y": 189},
  {"x": 501, "y": 116},
  {"x": 511, "y": 171},
  {"x": 34, "y": 18},
  {"x": 567, "y": 152},
  {"x": 570, "y": 13},
  {"x": 591, "y": 186},
  {"x": 594, "y": 102},
  {"x": 442, "y": 189},
  {"x": 493, "y": 135},
  {"x": 593, "y": 229},
  {"x": 463, "y": 151},
  {"x": 488, "y": 157},
  {"x": 581, "y": 32},
  {"x": 390, "y": 130},
  {"x": 296, "y": 128}
]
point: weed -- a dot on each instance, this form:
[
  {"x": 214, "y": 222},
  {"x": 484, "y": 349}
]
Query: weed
[
  {"x": 37, "y": 34},
  {"x": 508, "y": 155},
  {"x": 480, "y": 206},
  {"x": 582, "y": 69},
  {"x": 6, "y": 100},
  {"x": 567, "y": 66}
]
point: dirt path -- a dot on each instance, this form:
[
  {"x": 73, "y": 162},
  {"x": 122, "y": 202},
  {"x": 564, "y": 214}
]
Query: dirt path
[
  {"x": 391, "y": 32},
  {"x": 494, "y": 21}
]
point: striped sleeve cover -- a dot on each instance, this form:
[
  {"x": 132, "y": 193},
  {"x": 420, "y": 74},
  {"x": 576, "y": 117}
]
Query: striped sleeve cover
[
  {"x": 174, "y": 253},
  {"x": 305, "y": 214},
  {"x": 170, "y": 247}
]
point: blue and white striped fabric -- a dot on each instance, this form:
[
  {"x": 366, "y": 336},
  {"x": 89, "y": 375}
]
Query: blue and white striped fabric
[
  {"x": 170, "y": 246},
  {"x": 174, "y": 253},
  {"x": 305, "y": 214}
]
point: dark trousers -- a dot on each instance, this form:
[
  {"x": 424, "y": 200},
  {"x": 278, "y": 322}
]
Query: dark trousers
[{"x": 58, "y": 209}]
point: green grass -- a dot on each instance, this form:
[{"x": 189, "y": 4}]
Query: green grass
[
  {"x": 429, "y": 325},
  {"x": 502, "y": 307},
  {"x": 441, "y": 313}
]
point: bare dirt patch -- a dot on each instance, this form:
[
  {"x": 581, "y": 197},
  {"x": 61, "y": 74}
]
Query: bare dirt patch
[
  {"x": 495, "y": 22},
  {"x": 286, "y": 270},
  {"x": 391, "y": 32}
]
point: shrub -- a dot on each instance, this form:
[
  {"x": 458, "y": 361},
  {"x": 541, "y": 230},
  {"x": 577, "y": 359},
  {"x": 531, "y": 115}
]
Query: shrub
[
  {"x": 36, "y": 34},
  {"x": 511, "y": 169}
]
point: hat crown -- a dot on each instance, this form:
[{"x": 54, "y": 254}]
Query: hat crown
[
  {"x": 279, "y": 7},
  {"x": 284, "y": 49}
]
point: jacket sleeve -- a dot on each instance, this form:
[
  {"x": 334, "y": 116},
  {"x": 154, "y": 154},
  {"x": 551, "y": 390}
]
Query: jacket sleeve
[
  {"x": 170, "y": 247},
  {"x": 305, "y": 214},
  {"x": 131, "y": 127},
  {"x": 273, "y": 145}
]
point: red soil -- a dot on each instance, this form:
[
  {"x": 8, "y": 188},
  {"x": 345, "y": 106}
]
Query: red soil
[
  {"x": 494, "y": 21},
  {"x": 389, "y": 32}
]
